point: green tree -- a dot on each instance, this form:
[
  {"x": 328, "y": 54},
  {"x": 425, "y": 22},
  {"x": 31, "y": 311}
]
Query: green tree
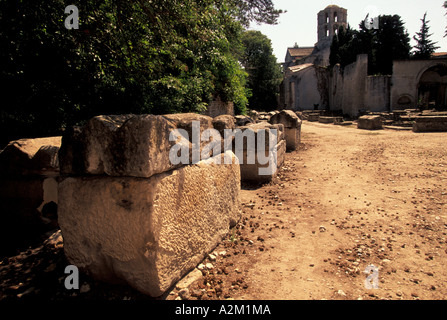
[
  {"x": 424, "y": 47},
  {"x": 334, "y": 56},
  {"x": 264, "y": 73},
  {"x": 259, "y": 11},
  {"x": 383, "y": 45},
  {"x": 390, "y": 42},
  {"x": 127, "y": 57},
  {"x": 158, "y": 56},
  {"x": 344, "y": 47}
]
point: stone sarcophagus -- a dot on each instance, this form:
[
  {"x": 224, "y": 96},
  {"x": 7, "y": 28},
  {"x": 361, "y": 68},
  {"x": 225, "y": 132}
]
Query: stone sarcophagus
[
  {"x": 129, "y": 213},
  {"x": 430, "y": 124},
  {"x": 292, "y": 128},
  {"x": 29, "y": 171},
  {"x": 260, "y": 149},
  {"x": 370, "y": 123}
]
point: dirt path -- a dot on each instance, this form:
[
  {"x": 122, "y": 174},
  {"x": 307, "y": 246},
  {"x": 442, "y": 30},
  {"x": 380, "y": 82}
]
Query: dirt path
[{"x": 348, "y": 199}]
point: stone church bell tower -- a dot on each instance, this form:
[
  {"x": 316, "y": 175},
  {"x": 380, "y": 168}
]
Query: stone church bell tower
[{"x": 329, "y": 22}]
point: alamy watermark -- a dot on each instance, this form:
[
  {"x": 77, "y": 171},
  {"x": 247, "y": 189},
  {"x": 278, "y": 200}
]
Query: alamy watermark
[
  {"x": 72, "y": 21},
  {"x": 372, "y": 18},
  {"x": 72, "y": 280},
  {"x": 249, "y": 147}
]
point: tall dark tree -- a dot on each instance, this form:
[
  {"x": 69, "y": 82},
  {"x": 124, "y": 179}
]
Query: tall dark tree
[
  {"x": 264, "y": 73},
  {"x": 390, "y": 41},
  {"x": 334, "y": 56},
  {"x": 159, "y": 56},
  {"x": 259, "y": 11},
  {"x": 383, "y": 45},
  {"x": 344, "y": 47},
  {"x": 424, "y": 47}
]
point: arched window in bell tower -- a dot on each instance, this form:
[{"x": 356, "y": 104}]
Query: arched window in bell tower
[{"x": 329, "y": 21}]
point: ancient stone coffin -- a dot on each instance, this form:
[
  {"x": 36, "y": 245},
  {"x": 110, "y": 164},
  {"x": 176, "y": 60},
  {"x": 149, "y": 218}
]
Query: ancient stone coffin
[
  {"x": 253, "y": 114},
  {"x": 313, "y": 117},
  {"x": 397, "y": 114},
  {"x": 430, "y": 124},
  {"x": 26, "y": 157},
  {"x": 343, "y": 123},
  {"x": 263, "y": 116},
  {"x": 148, "y": 232},
  {"x": 338, "y": 120},
  {"x": 326, "y": 120},
  {"x": 329, "y": 120},
  {"x": 370, "y": 123},
  {"x": 292, "y": 128},
  {"x": 127, "y": 213},
  {"x": 243, "y": 121},
  {"x": 251, "y": 172},
  {"x": 128, "y": 145},
  {"x": 287, "y": 118},
  {"x": 29, "y": 170},
  {"x": 224, "y": 122},
  {"x": 260, "y": 149}
]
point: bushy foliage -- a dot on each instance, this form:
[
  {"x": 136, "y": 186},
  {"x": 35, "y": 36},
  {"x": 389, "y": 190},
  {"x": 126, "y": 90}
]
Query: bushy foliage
[
  {"x": 143, "y": 56},
  {"x": 264, "y": 73},
  {"x": 390, "y": 41}
]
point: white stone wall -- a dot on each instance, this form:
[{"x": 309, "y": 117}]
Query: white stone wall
[
  {"x": 301, "y": 90},
  {"x": 406, "y": 77},
  {"x": 348, "y": 87}
]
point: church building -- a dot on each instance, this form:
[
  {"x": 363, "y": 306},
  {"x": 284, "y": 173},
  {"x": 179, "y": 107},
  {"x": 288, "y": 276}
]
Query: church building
[{"x": 309, "y": 83}]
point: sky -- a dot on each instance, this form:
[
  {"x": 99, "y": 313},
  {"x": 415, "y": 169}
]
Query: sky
[{"x": 299, "y": 24}]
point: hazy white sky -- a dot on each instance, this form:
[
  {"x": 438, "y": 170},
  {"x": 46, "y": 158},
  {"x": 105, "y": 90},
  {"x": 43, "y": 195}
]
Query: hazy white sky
[{"x": 299, "y": 24}]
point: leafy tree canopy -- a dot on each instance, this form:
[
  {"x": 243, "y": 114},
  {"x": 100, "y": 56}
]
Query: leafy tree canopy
[
  {"x": 264, "y": 73},
  {"x": 259, "y": 11},
  {"x": 142, "y": 56},
  {"x": 383, "y": 45},
  {"x": 342, "y": 47}
]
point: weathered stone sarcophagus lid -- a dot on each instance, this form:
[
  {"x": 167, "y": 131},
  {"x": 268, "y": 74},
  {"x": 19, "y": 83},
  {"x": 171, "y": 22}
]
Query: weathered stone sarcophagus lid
[
  {"x": 370, "y": 123},
  {"x": 30, "y": 156},
  {"x": 430, "y": 124},
  {"x": 127, "y": 213},
  {"x": 126, "y": 145},
  {"x": 286, "y": 117}
]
